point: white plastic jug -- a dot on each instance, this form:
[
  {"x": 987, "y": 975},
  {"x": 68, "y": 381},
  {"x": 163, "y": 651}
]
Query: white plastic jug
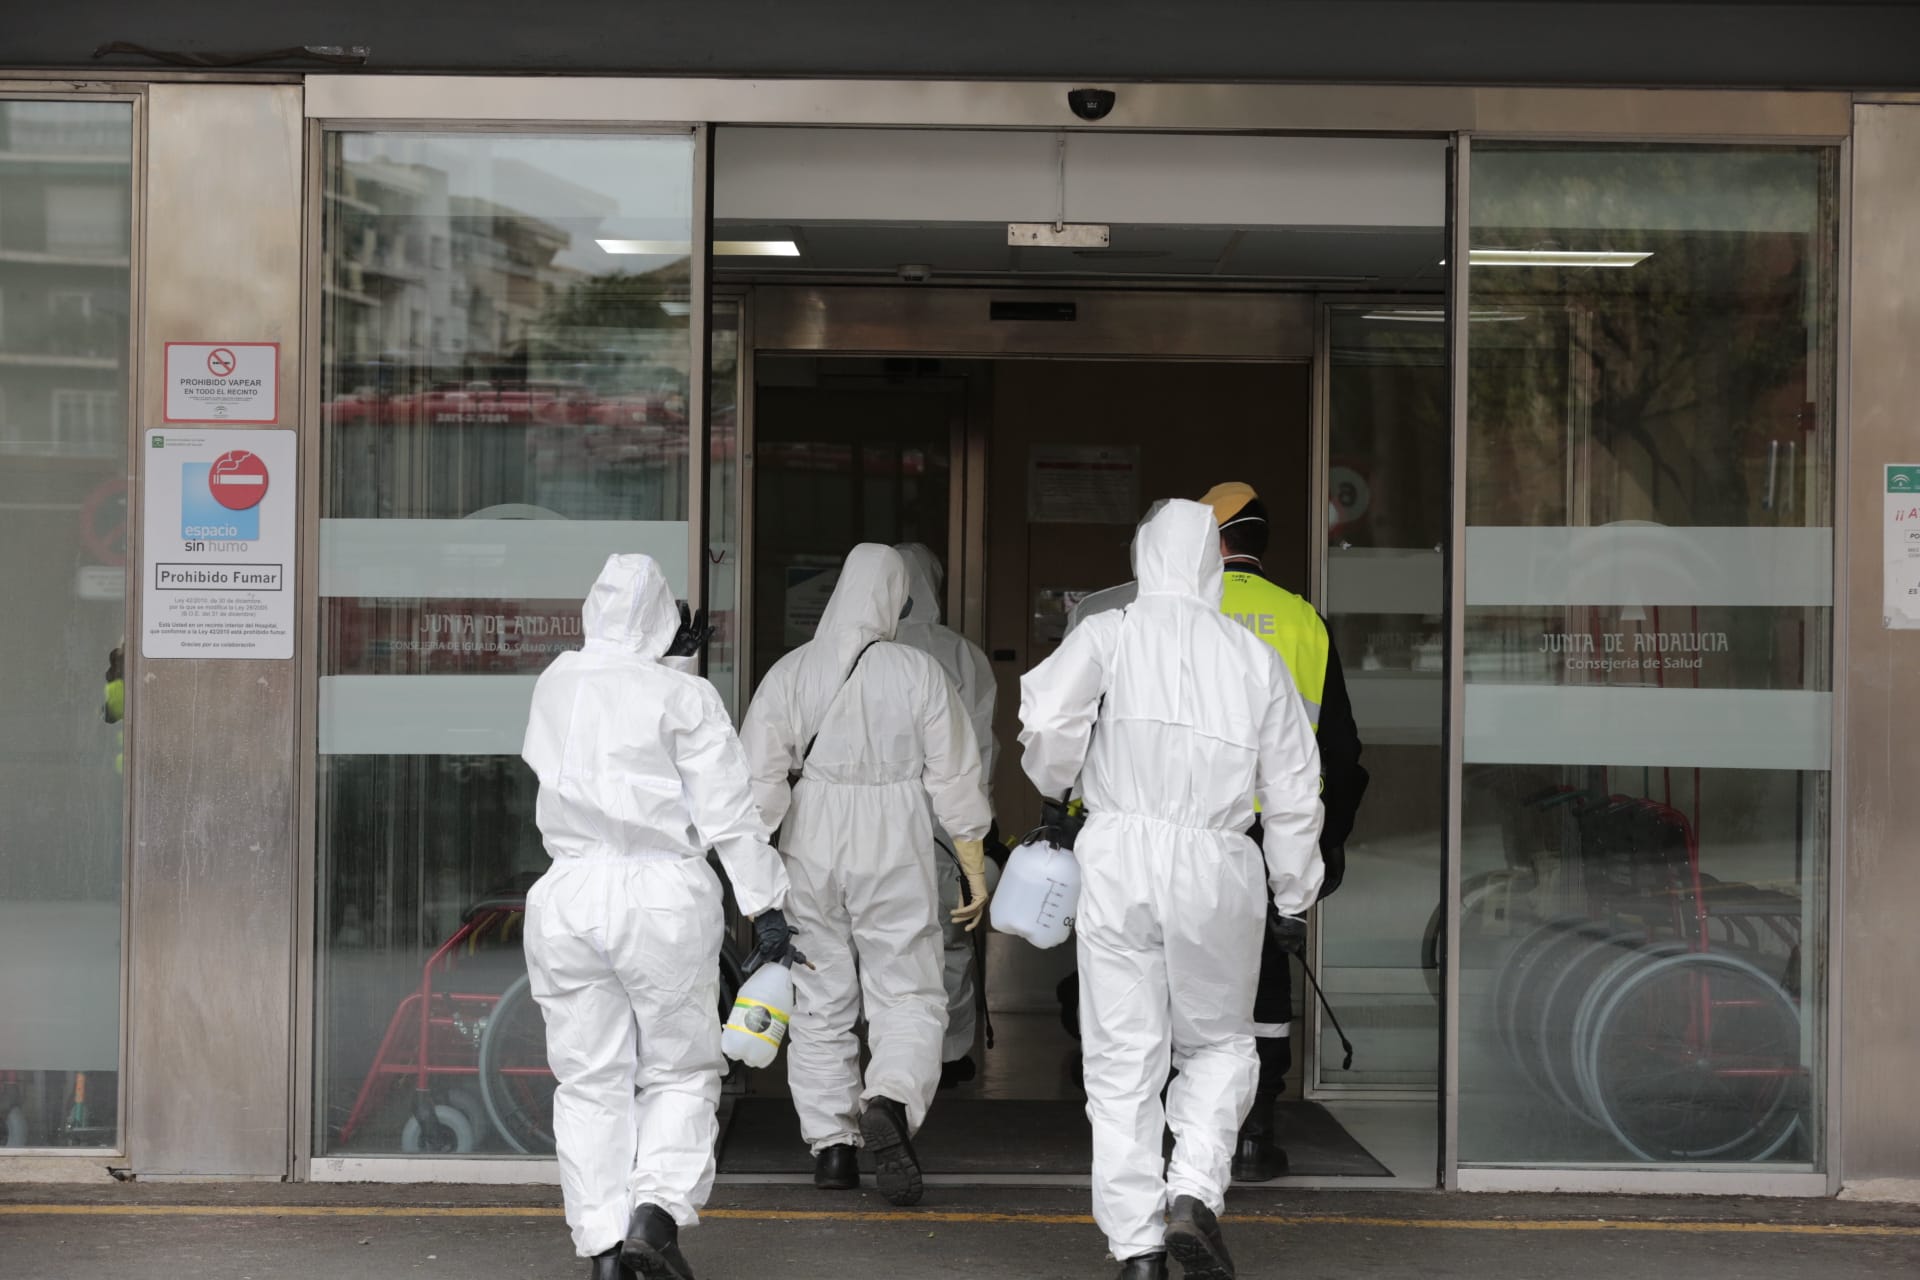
[
  {"x": 758, "y": 1025},
  {"x": 1038, "y": 895}
]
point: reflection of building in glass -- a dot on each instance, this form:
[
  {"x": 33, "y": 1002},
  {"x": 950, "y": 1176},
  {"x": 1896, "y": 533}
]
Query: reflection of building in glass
[
  {"x": 449, "y": 284},
  {"x": 66, "y": 214},
  {"x": 64, "y": 236},
  {"x": 479, "y": 334}
]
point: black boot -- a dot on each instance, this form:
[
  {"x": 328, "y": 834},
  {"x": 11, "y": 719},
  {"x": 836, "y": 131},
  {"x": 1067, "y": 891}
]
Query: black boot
[
  {"x": 1193, "y": 1238},
  {"x": 1148, "y": 1266},
  {"x": 896, "y": 1170},
  {"x": 1258, "y": 1158},
  {"x": 957, "y": 1072},
  {"x": 837, "y": 1168},
  {"x": 608, "y": 1266},
  {"x": 652, "y": 1248}
]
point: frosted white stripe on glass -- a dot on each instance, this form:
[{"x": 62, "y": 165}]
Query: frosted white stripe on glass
[
  {"x": 488, "y": 559},
  {"x": 1651, "y": 565},
  {"x": 1657, "y": 728},
  {"x": 1396, "y": 708},
  {"x": 1380, "y": 580},
  {"x": 424, "y": 715}
]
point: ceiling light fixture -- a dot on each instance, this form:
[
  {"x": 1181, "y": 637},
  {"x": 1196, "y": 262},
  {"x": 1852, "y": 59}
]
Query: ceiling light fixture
[
  {"x": 1556, "y": 257},
  {"x": 1440, "y": 317},
  {"x": 721, "y": 248}
]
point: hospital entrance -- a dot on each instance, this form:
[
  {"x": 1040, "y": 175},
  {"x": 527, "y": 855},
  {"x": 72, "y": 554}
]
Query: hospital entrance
[{"x": 908, "y": 366}]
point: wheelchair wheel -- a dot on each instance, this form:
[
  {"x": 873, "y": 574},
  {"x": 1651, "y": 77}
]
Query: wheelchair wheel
[
  {"x": 1535, "y": 966},
  {"x": 1563, "y": 995},
  {"x": 515, "y": 1082},
  {"x": 1697, "y": 1057},
  {"x": 458, "y": 1135},
  {"x": 1486, "y": 920},
  {"x": 1581, "y": 1040},
  {"x": 517, "y": 1085}
]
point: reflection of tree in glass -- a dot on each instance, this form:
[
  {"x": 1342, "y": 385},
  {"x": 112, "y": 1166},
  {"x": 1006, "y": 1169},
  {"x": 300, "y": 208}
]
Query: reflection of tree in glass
[
  {"x": 619, "y": 335},
  {"x": 1687, "y": 389}
]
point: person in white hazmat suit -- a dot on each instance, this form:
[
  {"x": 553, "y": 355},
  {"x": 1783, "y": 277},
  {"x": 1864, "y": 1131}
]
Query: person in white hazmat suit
[
  {"x": 972, "y": 675},
  {"x": 850, "y": 736},
  {"x": 640, "y": 774},
  {"x": 1172, "y": 716}
]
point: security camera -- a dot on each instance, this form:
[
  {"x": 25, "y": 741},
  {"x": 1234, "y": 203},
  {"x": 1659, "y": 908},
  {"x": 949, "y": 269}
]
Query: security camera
[{"x": 1092, "y": 104}]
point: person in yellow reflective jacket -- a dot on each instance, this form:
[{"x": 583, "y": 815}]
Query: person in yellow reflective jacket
[
  {"x": 114, "y": 708},
  {"x": 1298, "y": 634}
]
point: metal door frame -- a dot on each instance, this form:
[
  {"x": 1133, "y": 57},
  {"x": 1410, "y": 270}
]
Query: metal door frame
[
  {"x": 309, "y": 1032},
  {"x": 1718, "y": 1179},
  {"x": 843, "y": 321},
  {"x": 1321, "y": 461},
  {"x": 85, "y": 1164},
  {"x": 501, "y": 103}
]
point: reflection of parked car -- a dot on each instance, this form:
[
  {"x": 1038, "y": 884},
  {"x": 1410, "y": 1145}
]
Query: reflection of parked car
[{"x": 496, "y": 403}]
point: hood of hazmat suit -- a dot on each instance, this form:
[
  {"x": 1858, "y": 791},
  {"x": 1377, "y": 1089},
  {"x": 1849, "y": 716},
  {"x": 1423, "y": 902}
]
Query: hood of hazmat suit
[
  {"x": 640, "y": 774},
  {"x": 1115, "y": 597},
  {"x": 634, "y": 757},
  {"x": 893, "y": 751},
  {"x": 1198, "y": 716}
]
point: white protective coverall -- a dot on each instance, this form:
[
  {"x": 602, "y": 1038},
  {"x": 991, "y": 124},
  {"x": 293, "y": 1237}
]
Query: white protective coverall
[
  {"x": 972, "y": 677},
  {"x": 1199, "y": 715},
  {"x": 640, "y": 773},
  {"x": 858, "y": 841}
]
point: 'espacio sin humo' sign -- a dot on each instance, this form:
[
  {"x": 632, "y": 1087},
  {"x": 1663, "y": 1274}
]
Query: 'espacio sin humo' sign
[{"x": 218, "y": 549}]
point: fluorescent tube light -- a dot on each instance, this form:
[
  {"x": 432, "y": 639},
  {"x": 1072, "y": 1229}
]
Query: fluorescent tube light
[
  {"x": 755, "y": 249},
  {"x": 1556, "y": 257},
  {"x": 721, "y": 248},
  {"x": 1440, "y": 317}
]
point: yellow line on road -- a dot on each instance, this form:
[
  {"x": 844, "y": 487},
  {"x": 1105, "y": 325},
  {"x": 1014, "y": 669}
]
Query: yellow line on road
[{"x": 936, "y": 1216}]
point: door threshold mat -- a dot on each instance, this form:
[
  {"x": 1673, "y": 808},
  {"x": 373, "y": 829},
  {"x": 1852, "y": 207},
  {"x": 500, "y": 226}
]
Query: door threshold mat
[{"x": 999, "y": 1136}]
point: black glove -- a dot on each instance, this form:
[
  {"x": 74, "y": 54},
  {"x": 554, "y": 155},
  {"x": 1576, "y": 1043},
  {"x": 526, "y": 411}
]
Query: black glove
[
  {"x": 996, "y": 847},
  {"x": 692, "y": 636},
  {"x": 1061, "y": 827},
  {"x": 773, "y": 940},
  {"x": 1289, "y": 933},
  {"x": 1336, "y": 860}
]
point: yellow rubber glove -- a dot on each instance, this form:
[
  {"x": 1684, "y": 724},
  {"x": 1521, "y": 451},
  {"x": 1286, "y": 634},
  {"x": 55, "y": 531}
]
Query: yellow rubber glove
[{"x": 972, "y": 856}]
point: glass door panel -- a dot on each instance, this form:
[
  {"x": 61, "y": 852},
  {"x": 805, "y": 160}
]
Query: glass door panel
[
  {"x": 66, "y": 225},
  {"x": 1648, "y": 667},
  {"x": 507, "y": 355},
  {"x": 1387, "y": 522}
]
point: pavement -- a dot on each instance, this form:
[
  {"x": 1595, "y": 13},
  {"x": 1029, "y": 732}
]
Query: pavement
[{"x": 266, "y": 1231}]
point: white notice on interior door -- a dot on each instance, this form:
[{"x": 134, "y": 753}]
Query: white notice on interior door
[
  {"x": 223, "y": 382},
  {"x": 1902, "y": 538}
]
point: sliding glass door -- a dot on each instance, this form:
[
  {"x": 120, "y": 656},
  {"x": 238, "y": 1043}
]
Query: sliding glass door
[
  {"x": 1647, "y": 666},
  {"x": 511, "y": 364}
]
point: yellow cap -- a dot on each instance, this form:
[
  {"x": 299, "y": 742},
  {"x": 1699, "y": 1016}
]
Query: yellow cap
[{"x": 1227, "y": 499}]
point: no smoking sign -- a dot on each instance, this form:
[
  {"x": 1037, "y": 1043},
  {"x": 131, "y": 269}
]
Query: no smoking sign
[
  {"x": 238, "y": 480},
  {"x": 225, "y": 382}
]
